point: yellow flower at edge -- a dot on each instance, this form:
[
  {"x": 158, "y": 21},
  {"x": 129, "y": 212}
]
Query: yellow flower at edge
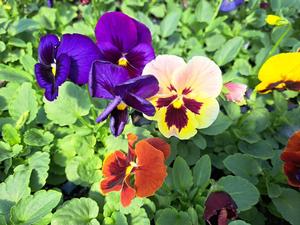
[
  {"x": 276, "y": 20},
  {"x": 186, "y": 100},
  {"x": 280, "y": 72}
]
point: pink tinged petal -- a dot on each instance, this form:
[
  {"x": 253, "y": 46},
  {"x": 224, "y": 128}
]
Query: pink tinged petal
[
  {"x": 202, "y": 76},
  {"x": 163, "y": 68},
  {"x": 236, "y": 92}
]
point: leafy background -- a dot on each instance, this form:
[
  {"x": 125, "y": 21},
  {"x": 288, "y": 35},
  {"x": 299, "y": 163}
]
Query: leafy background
[{"x": 51, "y": 153}]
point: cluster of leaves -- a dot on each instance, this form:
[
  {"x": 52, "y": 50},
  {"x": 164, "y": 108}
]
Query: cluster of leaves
[{"x": 51, "y": 153}]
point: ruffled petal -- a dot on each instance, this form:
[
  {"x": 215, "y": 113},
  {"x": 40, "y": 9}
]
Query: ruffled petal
[
  {"x": 118, "y": 120},
  {"x": 151, "y": 171},
  {"x": 63, "y": 65},
  {"x": 117, "y": 29},
  {"x": 47, "y": 48},
  {"x": 104, "y": 76},
  {"x": 160, "y": 145},
  {"x": 163, "y": 67},
  {"x": 108, "y": 110},
  {"x": 82, "y": 51},
  {"x": 201, "y": 76}
]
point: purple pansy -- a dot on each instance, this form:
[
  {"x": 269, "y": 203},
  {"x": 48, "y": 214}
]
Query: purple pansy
[
  {"x": 70, "y": 58},
  {"x": 112, "y": 82},
  {"x": 124, "y": 41},
  {"x": 230, "y": 5},
  {"x": 50, "y": 3}
]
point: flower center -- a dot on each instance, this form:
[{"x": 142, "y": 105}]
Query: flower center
[
  {"x": 53, "y": 68},
  {"x": 130, "y": 168},
  {"x": 121, "y": 106},
  {"x": 178, "y": 103},
  {"x": 122, "y": 61}
]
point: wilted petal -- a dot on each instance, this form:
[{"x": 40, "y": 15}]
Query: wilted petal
[
  {"x": 118, "y": 120},
  {"x": 151, "y": 171},
  {"x": 82, "y": 51},
  {"x": 47, "y": 48}
]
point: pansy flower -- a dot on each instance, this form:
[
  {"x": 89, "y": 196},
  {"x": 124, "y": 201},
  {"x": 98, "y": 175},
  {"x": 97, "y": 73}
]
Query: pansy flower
[
  {"x": 219, "y": 208},
  {"x": 124, "y": 41},
  {"x": 280, "y": 72},
  {"x": 70, "y": 58},
  {"x": 186, "y": 100},
  {"x": 230, "y": 5},
  {"x": 291, "y": 158},
  {"x": 236, "y": 92},
  {"x": 112, "y": 82},
  {"x": 139, "y": 173}
]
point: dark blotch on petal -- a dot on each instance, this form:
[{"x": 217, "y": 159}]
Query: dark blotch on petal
[
  {"x": 192, "y": 105},
  {"x": 47, "y": 49},
  {"x": 118, "y": 120},
  {"x": 163, "y": 102},
  {"x": 176, "y": 117}
]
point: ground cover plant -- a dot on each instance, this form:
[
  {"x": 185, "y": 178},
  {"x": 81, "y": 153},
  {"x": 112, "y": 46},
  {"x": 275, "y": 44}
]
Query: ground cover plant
[{"x": 138, "y": 112}]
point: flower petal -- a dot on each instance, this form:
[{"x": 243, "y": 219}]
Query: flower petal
[
  {"x": 139, "y": 104},
  {"x": 110, "y": 53},
  {"x": 104, "y": 76},
  {"x": 151, "y": 171},
  {"x": 44, "y": 75},
  {"x": 112, "y": 183},
  {"x": 63, "y": 65},
  {"x": 293, "y": 144},
  {"x": 118, "y": 29},
  {"x": 127, "y": 193},
  {"x": 118, "y": 120},
  {"x": 163, "y": 68},
  {"x": 108, "y": 110},
  {"x": 114, "y": 164},
  {"x": 47, "y": 48},
  {"x": 292, "y": 172},
  {"x": 160, "y": 145},
  {"x": 51, "y": 92},
  {"x": 201, "y": 76},
  {"x": 82, "y": 51},
  {"x": 230, "y": 5},
  {"x": 236, "y": 92}
]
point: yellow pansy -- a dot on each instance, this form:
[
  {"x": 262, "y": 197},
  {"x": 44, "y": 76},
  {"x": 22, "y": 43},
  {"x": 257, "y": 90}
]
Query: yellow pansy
[{"x": 276, "y": 20}]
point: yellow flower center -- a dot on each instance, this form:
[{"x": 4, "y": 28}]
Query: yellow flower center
[
  {"x": 129, "y": 168},
  {"x": 122, "y": 61},
  {"x": 177, "y": 103},
  {"x": 121, "y": 106},
  {"x": 53, "y": 68}
]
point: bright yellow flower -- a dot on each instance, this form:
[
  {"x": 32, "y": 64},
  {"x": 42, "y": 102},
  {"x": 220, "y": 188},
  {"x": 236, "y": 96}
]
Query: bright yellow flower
[
  {"x": 186, "y": 100},
  {"x": 276, "y": 20},
  {"x": 280, "y": 72}
]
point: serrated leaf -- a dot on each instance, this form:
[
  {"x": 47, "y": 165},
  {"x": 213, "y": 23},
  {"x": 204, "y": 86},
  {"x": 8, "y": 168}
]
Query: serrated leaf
[
  {"x": 34, "y": 207},
  {"x": 81, "y": 211},
  {"x": 37, "y": 137},
  {"x": 72, "y": 102}
]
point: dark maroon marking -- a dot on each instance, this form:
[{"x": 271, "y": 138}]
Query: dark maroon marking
[
  {"x": 293, "y": 85},
  {"x": 176, "y": 117},
  {"x": 273, "y": 86},
  {"x": 192, "y": 105},
  {"x": 172, "y": 88},
  {"x": 186, "y": 91},
  {"x": 163, "y": 102},
  {"x": 115, "y": 181}
]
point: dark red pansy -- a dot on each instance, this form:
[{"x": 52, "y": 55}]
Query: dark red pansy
[
  {"x": 219, "y": 208},
  {"x": 291, "y": 158},
  {"x": 145, "y": 163}
]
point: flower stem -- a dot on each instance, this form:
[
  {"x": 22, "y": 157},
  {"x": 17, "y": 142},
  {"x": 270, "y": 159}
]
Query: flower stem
[
  {"x": 280, "y": 39},
  {"x": 94, "y": 114},
  {"x": 214, "y": 16},
  {"x": 84, "y": 122}
]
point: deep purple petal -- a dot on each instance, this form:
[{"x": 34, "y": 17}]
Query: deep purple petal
[
  {"x": 144, "y": 86},
  {"x": 104, "y": 76},
  {"x": 138, "y": 57},
  {"x": 44, "y": 76},
  {"x": 118, "y": 29},
  {"x": 111, "y": 106},
  {"x": 229, "y": 5},
  {"x": 110, "y": 53},
  {"x": 50, "y": 3},
  {"x": 139, "y": 104},
  {"x": 143, "y": 32},
  {"x": 63, "y": 67},
  {"x": 47, "y": 48},
  {"x": 118, "y": 120},
  {"x": 82, "y": 51},
  {"x": 51, "y": 92}
]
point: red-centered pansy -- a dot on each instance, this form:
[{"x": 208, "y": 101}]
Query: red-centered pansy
[
  {"x": 291, "y": 158},
  {"x": 140, "y": 172}
]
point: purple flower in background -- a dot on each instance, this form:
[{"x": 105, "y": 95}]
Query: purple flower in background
[
  {"x": 124, "y": 41},
  {"x": 219, "y": 208},
  {"x": 230, "y": 5},
  {"x": 70, "y": 58},
  {"x": 112, "y": 82},
  {"x": 50, "y": 3}
]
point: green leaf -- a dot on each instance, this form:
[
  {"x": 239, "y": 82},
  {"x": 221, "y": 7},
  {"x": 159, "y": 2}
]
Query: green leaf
[
  {"x": 229, "y": 51},
  {"x": 24, "y": 101},
  {"x": 81, "y": 211},
  {"x": 200, "y": 141},
  {"x": 171, "y": 216},
  {"x": 14, "y": 74},
  {"x": 72, "y": 102},
  {"x": 169, "y": 24},
  {"x": 2, "y": 46},
  {"x": 34, "y": 207},
  {"x": 22, "y": 25},
  {"x": 118, "y": 218},
  {"x": 10, "y": 134},
  {"x": 28, "y": 63},
  {"x": 182, "y": 175},
  {"x": 239, "y": 222},
  {"x": 288, "y": 204},
  {"x": 262, "y": 149},
  {"x": 6, "y": 151},
  {"x": 241, "y": 190},
  {"x": 204, "y": 11},
  {"x": 138, "y": 217},
  {"x": 221, "y": 124},
  {"x": 14, "y": 188},
  {"x": 37, "y": 137},
  {"x": 46, "y": 17},
  {"x": 39, "y": 162},
  {"x": 202, "y": 172}
]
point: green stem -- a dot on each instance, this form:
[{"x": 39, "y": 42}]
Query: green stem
[
  {"x": 280, "y": 39},
  {"x": 214, "y": 16},
  {"x": 94, "y": 113},
  {"x": 84, "y": 122}
]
